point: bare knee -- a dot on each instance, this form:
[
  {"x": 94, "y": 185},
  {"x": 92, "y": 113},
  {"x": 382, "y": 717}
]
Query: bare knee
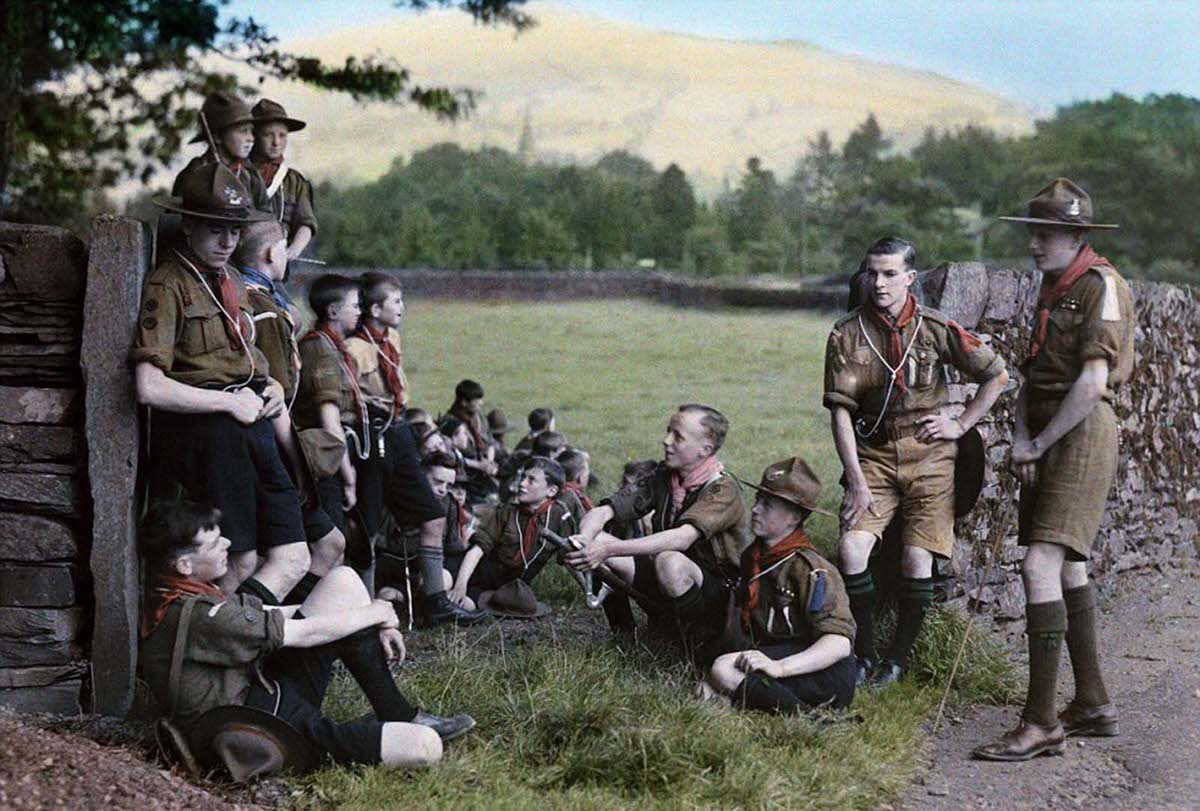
[
  {"x": 327, "y": 552},
  {"x": 916, "y": 562},
  {"x": 854, "y": 550},
  {"x": 724, "y": 675},
  {"x": 1074, "y": 575},
  {"x": 339, "y": 590},
  {"x": 242, "y": 565},
  {"x": 1041, "y": 572},
  {"x": 674, "y": 572}
]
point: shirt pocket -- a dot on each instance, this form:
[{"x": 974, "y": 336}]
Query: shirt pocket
[
  {"x": 924, "y": 366},
  {"x": 203, "y": 329},
  {"x": 1062, "y": 331}
]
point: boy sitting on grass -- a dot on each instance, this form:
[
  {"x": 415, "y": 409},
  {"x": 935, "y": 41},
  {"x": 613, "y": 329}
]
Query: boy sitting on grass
[
  {"x": 540, "y": 419},
  {"x": 577, "y": 470},
  {"x": 506, "y": 546},
  {"x": 549, "y": 444}
]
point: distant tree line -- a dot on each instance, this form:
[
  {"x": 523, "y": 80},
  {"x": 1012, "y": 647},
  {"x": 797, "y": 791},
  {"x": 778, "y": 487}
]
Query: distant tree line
[{"x": 488, "y": 208}]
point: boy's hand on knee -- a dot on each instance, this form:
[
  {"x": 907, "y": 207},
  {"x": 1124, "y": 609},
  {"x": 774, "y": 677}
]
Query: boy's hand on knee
[
  {"x": 244, "y": 406},
  {"x": 457, "y": 593},
  {"x": 393, "y": 645},
  {"x": 592, "y": 554},
  {"x": 386, "y": 613},
  {"x": 753, "y": 660}
]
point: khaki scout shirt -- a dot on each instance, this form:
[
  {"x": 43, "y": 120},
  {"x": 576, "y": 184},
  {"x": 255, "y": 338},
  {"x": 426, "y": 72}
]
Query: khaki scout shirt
[
  {"x": 226, "y": 641},
  {"x": 716, "y": 510},
  {"x": 857, "y": 379},
  {"x": 500, "y": 534},
  {"x": 247, "y": 174},
  {"x": 799, "y": 600},
  {"x": 370, "y": 370},
  {"x": 1095, "y": 319},
  {"x": 274, "y": 334},
  {"x": 291, "y": 200},
  {"x": 323, "y": 379},
  {"x": 181, "y": 330}
]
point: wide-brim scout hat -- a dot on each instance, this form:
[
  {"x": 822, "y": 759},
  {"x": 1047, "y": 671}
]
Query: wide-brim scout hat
[
  {"x": 323, "y": 450},
  {"x": 220, "y": 111},
  {"x": 498, "y": 422},
  {"x": 513, "y": 599},
  {"x": 1063, "y": 204},
  {"x": 249, "y": 743},
  {"x": 211, "y": 192},
  {"x": 969, "y": 467},
  {"x": 793, "y": 481},
  {"x": 266, "y": 111}
]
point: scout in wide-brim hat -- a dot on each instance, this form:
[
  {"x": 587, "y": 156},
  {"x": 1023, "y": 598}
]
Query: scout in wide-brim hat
[
  {"x": 266, "y": 111},
  {"x": 220, "y": 111},
  {"x": 213, "y": 193},
  {"x": 793, "y": 481},
  {"x": 1063, "y": 204}
]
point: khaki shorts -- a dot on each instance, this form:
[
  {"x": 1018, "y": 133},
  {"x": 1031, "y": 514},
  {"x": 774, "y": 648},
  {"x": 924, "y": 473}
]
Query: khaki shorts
[
  {"x": 915, "y": 479},
  {"x": 1066, "y": 505}
]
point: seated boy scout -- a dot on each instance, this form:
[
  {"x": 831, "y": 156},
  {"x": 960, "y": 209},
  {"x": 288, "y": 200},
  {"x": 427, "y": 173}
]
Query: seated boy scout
[
  {"x": 480, "y": 455},
  {"x": 790, "y": 634},
  {"x": 1065, "y": 452},
  {"x": 887, "y": 395},
  {"x": 289, "y": 192},
  {"x": 202, "y": 650},
  {"x": 506, "y": 544},
  {"x": 690, "y": 559},
  {"x": 576, "y": 465},
  {"x": 197, "y": 368},
  {"x": 226, "y": 125},
  {"x": 540, "y": 419}
]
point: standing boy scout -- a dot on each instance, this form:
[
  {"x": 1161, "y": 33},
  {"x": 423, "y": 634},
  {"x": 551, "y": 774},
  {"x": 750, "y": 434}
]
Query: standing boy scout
[
  {"x": 1065, "y": 449},
  {"x": 226, "y": 125},
  {"x": 700, "y": 529},
  {"x": 790, "y": 633},
  {"x": 887, "y": 394},
  {"x": 289, "y": 192},
  {"x": 197, "y": 368}
]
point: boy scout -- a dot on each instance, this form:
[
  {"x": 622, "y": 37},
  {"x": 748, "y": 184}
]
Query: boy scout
[
  {"x": 206, "y": 655},
  {"x": 790, "y": 633},
  {"x": 888, "y": 400},
  {"x": 506, "y": 544},
  {"x": 226, "y": 125},
  {"x": 480, "y": 456},
  {"x": 375, "y": 344},
  {"x": 540, "y": 419},
  {"x": 699, "y": 523},
  {"x": 289, "y": 192},
  {"x": 1065, "y": 452},
  {"x": 197, "y": 368},
  {"x": 576, "y": 468}
]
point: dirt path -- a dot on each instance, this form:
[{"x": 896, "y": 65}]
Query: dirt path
[{"x": 1150, "y": 631}]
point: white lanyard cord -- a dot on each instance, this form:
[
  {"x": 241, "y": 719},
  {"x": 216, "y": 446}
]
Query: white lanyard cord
[
  {"x": 887, "y": 397},
  {"x": 236, "y": 323}
]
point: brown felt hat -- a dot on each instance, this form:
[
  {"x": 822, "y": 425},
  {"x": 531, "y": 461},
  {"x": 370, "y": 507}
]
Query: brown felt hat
[
  {"x": 514, "y": 599},
  {"x": 249, "y": 743},
  {"x": 323, "y": 450},
  {"x": 221, "y": 110},
  {"x": 793, "y": 481},
  {"x": 498, "y": 422},
  {"x": 212, "y": 192},
  {"x": 265, "y": 111},
  {"x": 1063, "y": 204}
]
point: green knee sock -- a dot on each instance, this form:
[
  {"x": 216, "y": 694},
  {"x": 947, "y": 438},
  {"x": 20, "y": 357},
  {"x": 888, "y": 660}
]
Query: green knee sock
[
  {"x": 1082, "y": 645},
  {"x": 1045, "y": 625},
  {"x": 861, "y": 589}
]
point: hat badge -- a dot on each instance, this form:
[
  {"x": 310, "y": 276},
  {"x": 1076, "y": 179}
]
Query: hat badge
[
  {"x": 233, "y": 197},
  {"x": 1073, "y": 207},
  {"x": 774, "y": 474}
]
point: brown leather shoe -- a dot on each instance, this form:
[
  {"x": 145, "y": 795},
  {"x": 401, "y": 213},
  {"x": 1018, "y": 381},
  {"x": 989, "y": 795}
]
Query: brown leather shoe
[
  {"x": 1025, "y": 742},
  {"x": 1092, "y": 722}
]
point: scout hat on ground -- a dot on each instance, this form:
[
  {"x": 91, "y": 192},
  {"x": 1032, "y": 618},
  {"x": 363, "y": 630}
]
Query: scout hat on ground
[
  {"x": 1061, "y": 203},
  {"x": 249, "y": 743},
  {"x": 211, "y": 192},
  {"x": 513, "y": 599},
  {"x": 969, "y": 467},
  {"x": 793, "y": 481},
  {"x": 498, "y": 422},
  {"x": 222, "y": 110},
  {"x": 265, "y": 111}
]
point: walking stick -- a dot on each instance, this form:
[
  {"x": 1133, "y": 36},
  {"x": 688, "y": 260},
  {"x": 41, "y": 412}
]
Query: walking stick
[{"x": 603, "y": 573}]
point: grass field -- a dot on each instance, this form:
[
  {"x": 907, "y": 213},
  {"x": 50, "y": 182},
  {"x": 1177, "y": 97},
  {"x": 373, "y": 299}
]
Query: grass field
[{"x": 568, "y": 719}]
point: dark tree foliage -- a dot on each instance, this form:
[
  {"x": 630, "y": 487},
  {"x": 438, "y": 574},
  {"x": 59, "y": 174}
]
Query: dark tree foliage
[{"x": 93, "y": 92}]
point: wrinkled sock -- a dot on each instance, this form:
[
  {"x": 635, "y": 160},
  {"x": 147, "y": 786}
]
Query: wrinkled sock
[
  {"x": 362, "y": 655},
  {"x": 251, "y": 585},
  {"x": 761, "y": 692},
  {"x": 300, "y": 593},
  {"x": 914, "y": 605},
  {"x": 1045, "y": 624},
  {"x": 861, "y": 590},
  {"x": 432, "y": 563},
  {"x": 1082, "y": 645}
]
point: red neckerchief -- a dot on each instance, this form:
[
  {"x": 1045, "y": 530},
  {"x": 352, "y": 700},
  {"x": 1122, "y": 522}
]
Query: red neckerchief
[
  {"x": 323, "y": 330},
  {"x": 221, "y": 283},
  {"x": 573, "y": 487},
  {"x": 758, "y": 557},
  {"x": 268, "y": 169},
  {"x": 529, "y": 537},
  {"x": 390, "y": 369},
  {"x": 167, "y": 589},
  {"x": 1054, "y": 289},
  {"x": 705, "y": 472},
  {"x": 893, "y": 330}
]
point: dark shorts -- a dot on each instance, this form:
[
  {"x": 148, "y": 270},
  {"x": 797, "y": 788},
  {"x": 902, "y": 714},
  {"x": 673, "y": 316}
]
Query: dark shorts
[
  {"x": 235, "y": 468},
  {"x": 393, "y": 481},
  {"x": 327, "y": 515},
  {"x": 831, "y": 688},
  {"x": 714, "y": 591},
  {"x": 490, "y": 574}
]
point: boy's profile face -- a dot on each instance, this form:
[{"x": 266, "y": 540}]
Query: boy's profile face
[
  {"x": 272, "y": 139},
  {"x": 440, "y": 479},
  {"x": 208, "y": 559},
  {"x": 390, "y": 311},
  {"x": 461, "y": 440},
  {"x": 772, "y": 517},
  {"x": 534, "y": 489},
  {"x": 344, "y": 315},
  {"x": 474, "y": 406},
  {"x": 459, "y": 494},
  {"x": 238, "y": 140},
  {"x": 585, "y": 473}
]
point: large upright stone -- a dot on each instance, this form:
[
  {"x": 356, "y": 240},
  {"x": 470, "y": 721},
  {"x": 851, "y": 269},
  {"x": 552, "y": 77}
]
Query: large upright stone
[
  {"x": 960, "y": 291},
  {"x": 40, "y": 262},
  {"x": 119, "y": 260}
]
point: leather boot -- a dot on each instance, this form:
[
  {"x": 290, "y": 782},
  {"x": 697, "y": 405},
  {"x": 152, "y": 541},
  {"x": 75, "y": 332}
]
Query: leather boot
[
  {"x": 1092, "y": 722},
  {"x": 442, "y": 610},
  {"x": 447, "y": 728},
  {"x": 1025, "y": 742}
]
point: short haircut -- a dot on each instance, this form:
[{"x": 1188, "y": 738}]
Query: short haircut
[
  {"x": 328, "y": 290},
  {"x": 640, "y": 469},
  {"x": 169, "y": 531},
  {"x": 553, "y": 470},
  {"x": 548, "y": 443},
  {"x": 893, "y": 246},
  {"x": 712, "y": 421},
  {"x": 416, "y": 415},
  {"x": 439, "y": 459},
  {"x": 468, "y": 390},
  {"x": 449, "y": 425},
  {"x": 376, "y": 286},
  {"x": 572, "y": 461},
  {"x": 540, "y": 419},
  {"x": 256, "y": 238}
]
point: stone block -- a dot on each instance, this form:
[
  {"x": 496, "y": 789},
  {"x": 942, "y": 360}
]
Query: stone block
[
  {"x": 38, "y": 586},
  {"x": 60, "y": 698},
  {"x": 51, "y": 493},
  {"x": 32, "y": 538},
  {"x": 40, "y": 636},
  {"x": 1002, "y": 304},
  {"x": 37, "y": 443},
  {"x": 26, "y": 404},
  {"x": 11, "y": 677},
  {"x": 964, "y": 293},
  {"x": 40, "y": 262}
]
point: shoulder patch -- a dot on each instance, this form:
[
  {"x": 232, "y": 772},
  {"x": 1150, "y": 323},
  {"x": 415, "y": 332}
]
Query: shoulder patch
[
  {"x": 816, "y": 592},
  {"x": 1111, "y": 309}
]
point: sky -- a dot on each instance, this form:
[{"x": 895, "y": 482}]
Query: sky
[{"x": 1042, "y": 53}]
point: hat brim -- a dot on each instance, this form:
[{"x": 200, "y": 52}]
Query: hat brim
[
  {"x": 200, "y": 137},
  {"x": 810, "y": 507},
  {"x": 970, "y": 466},
  {"x": 176, "y": 204},
  {"x": 485, "y": 600},
  {"x": 292, "y": 124},
  {"x": 1060, "y": 223},
  {"x": 298, "y": 753}
]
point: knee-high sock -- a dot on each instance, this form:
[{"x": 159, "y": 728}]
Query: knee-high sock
[
  {"x": 300, "y": 593},
  {"x": 689, "y": 606},
  {"x": 1045, "y": 624},
  {"x": 914, "y": 604},
  {"x": 761, "y": 692},
  {"x": 363, "y": 656},
  {"x": 431, "y": 570},
  {"x": 252, "y": 585},
  {"x": 1082, "y": 647},
  {"x": 619, "y": 612},
  {"x": 861, "y": 590}
]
